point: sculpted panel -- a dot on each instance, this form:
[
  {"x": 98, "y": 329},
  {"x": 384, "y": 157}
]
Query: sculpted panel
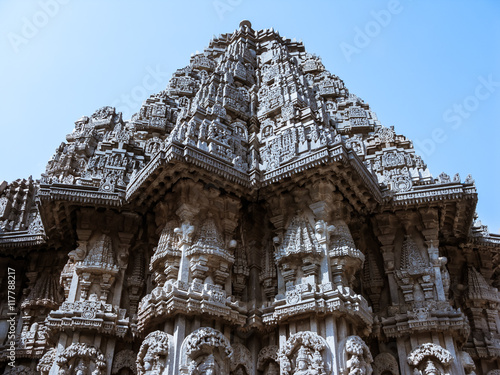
[
  {"x": 355, "y": 357},
  {"x": 153, "y": 353},
  {"x": 385, "y": 364},
  {"x": 305, "y": 353},
  {"x": 124, "y": 359},
  {"x": 241, "y": 360},
  {"x": 206, "y": 351},
  {"x": 267, "y": 360},
  {"x": 81, "y": 359},
  {"x": 430, "y": 359}
]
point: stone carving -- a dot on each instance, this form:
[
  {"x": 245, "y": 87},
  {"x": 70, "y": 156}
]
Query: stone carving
[
  {"x": 85, "y": 358},
  {"x": 124, "y": 359},
  {"x": 345, "y": 258},
  {"x": 255, "y": 200},
  {"x": 411, "y": 259},
  {"x": 415, "y": 274},
  {"x": 205, "y": 351},
  {"x": 208, "y": 254},
  {"x": 468, "y": 363},
  {"x": 267, "y": 360},
  {"x": 19, "y": 370},
  {"x": 299, "y": 240},
  {"x": 152, "y": 354},
  {"x": 241, "y": 360},
  {"x": 304, "y": 354},
  {"x": 165, "y": 261},
  {"x": 385, "y": 363},
  {"x": 46, "y": 362},
  {"x": 430, "y": 359},
  {"x": 17, "y": 209},
  {"x": 479, "y": 288},
  {"x": 355, "y": 357},
  {"x": 46, "y": 292}
]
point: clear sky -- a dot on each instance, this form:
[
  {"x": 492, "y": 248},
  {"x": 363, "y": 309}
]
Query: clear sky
[{"x": 429, "y": 68}]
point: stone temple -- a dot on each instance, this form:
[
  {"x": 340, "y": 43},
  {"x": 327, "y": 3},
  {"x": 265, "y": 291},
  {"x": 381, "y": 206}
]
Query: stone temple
[{"x": 254, "y": 218}]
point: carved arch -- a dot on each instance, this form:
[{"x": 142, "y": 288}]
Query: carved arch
[
  {"x": 305, "y": 350},
  {"x": 124, "y": 359},
  {"x": 430, "y": 356},
  {"x": 266, "y": 355},
  {"x": 241, "y": 358},
  {"x": 385, "y": 363},
  {"x": 82, "y": 354},
  {"x": 355, "y": 356},
  {"x": 205, "y": 348},
  {"x": 429, "y": 350},
  {"x": 152, "y": 355}
]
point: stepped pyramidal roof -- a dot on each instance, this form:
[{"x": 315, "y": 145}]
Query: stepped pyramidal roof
[{"x": 254, "y": 108}]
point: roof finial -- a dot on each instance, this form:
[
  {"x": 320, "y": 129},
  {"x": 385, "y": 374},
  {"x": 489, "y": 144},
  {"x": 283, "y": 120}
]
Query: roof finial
[{"x": 246, "y": 23}]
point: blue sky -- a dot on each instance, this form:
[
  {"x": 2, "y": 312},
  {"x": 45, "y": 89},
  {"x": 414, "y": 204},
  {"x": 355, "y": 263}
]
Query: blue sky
[{"x": 431, "y": 69}]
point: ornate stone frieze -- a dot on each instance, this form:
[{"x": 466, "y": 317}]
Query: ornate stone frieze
[
  {"x": 207, "y": 299},
  {"x": 81, "y": 358},
  {"x": 241, "y": 360},
  {"x": 267, "y": 360},
  {"x": 90, "y": 314},
  {"x": 124, "y": 359},
  {"x": 355, "y": 357},
  {"x": 305, "y": 353},
  {"x": 46, "y": 362},
  {"x": 430, "y": 358},
  {"x": 205, "y": 351},
  {"x": 385, "y": 363},
  {"x": 153, "y": 353}
]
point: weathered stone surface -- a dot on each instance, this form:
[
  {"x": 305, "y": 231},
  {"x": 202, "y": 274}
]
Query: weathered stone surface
[{"x": 255, "y": 217}]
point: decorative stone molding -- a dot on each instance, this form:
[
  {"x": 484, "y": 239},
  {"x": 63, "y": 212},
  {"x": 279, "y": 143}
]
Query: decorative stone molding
[
  {"x": 429, "y": 358},
  {"x": 85, "y": 357},
  {"x": 241, "y": 360},
  {"x": 305, "y": 352},
  {"x": 203, "y": 350},
  {"x": 153, "y": 353},
  {"x": 267, "y": 360},
  {"x": 46, "y": 362},
  {"x": 90, "y": 315},
  {"x": 354, "y": 357},
  {"x": 124, "y": 359},
  {"x": 385, "y": 364}
]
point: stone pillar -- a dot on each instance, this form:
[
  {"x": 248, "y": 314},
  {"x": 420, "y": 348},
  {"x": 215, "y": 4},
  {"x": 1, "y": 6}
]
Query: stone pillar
[{"x": 185, "y": 232}]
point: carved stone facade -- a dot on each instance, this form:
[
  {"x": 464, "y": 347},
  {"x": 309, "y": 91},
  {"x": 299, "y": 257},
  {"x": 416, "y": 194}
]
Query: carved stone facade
[{"x": 254, "y": 218}]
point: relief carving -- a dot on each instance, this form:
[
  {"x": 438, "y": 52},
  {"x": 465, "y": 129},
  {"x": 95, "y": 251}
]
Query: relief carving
[{"x": 305, "y": 353}]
